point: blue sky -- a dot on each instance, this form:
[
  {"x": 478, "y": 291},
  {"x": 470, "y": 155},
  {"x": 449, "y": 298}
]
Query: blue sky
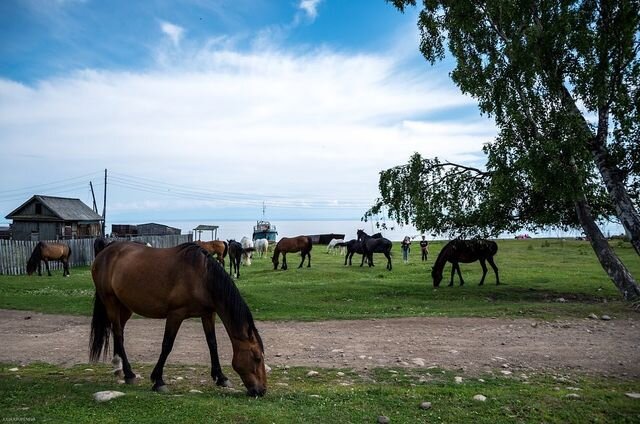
[{"x": 206, "y": 109}]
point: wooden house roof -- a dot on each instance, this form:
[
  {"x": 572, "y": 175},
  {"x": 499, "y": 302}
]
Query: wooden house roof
[{"x": 65, "y": 208}]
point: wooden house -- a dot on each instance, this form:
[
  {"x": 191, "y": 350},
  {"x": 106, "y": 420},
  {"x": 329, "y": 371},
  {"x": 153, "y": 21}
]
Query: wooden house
[
  {"x": 153, "y": 229},
  {"x": 53, "y": 218},
  {"x": 124, "y": 230}
]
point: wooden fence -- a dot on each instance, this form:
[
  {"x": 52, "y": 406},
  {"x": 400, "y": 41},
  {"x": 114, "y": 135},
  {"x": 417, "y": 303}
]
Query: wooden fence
[{"x": 14, "y": 254}]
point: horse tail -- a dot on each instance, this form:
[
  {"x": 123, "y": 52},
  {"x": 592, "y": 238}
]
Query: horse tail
[
  {"x": 35, "y": 258},
  {"x": 226, "y": 249},
  {"x": 493, "y": 248},
  {"x": 68, "y": 252},
  {"x": 100, "y": 330},
  {"x": 310, "y": 243}
]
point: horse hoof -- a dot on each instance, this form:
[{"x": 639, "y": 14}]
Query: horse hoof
[
  {"x": 224, "y": 383},
  {"x": 118, "y": 373},
  {"x": 131, "y": 380},
  {"x": 161, "y": 389}
]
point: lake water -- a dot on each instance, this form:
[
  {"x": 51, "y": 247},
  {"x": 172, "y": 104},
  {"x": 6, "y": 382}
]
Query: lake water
[{"x": 290, "y": 228}]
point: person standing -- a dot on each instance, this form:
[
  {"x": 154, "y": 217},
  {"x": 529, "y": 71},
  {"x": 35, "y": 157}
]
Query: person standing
[
  {"x": 424, "y": 247},
  {"x": 406, "y": 248}
]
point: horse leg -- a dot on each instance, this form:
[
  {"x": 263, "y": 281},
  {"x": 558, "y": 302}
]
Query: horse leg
[
  {"x": 208, "y": 323},
  {"x": 46, "y": 264},
  {"x": 170, "y": 330},
  {"x": 495, "y": 268},
  {"x": 459, "y": 274},
  {"x": 308, "y": 259},
  {"x": 370, "y": 259},
  {"x": 453, "y": 272},
  {"x": 389, "y": 266},
  {"x": 39, "y": 268},
  {"x": 304, "y": 255},
  {"x": 118, "y": 345},
  {"x": 65, "y": 266},
  {"x": 363, "y": 256},
  {"x": 284, "y": 262},
  {"x": 484, "y": 271}
]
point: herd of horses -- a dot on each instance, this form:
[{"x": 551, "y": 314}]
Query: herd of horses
[{"x": 190, "y": 281}]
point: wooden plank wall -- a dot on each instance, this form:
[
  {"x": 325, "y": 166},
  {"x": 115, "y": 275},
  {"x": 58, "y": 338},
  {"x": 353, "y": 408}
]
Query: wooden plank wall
[{"x": 14, "y": 254}]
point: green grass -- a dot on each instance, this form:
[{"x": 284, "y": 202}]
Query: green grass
[
  {"x": 536, "y": 273},
  {"x": 45, "y": 393}
]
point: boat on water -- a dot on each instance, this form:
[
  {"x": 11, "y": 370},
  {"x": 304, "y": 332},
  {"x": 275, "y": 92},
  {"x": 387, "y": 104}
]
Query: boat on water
[{"x": 264, "y": 229}]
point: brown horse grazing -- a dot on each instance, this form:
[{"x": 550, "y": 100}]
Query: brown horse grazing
[
  {"x": 49, "y": 252},
  {"x": 286, "y": 245},
  {"x": 176, "y": 283},
  {"x": 216, "y": 247},
  {"x": 465, "y": 251}
]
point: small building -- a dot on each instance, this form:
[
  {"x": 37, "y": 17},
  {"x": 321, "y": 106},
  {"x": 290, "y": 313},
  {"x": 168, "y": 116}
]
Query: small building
[
  {"x": 53, "y": 218},
  {"x": 5, "y": 233},
  {"x": 153, "y": 229},
  {"x": 124, "y": 230}
]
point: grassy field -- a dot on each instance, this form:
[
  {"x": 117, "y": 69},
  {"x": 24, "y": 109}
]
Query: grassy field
[
  {"x": 536, "y": 274},
  {"x": 43, "y": 393}
]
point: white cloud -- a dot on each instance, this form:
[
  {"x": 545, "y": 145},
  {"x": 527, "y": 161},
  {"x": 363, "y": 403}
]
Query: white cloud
[
  {"x": 292, "y": 127},
  {"x": 310, "y": 8},
  {"x": 174, "y": 32}
]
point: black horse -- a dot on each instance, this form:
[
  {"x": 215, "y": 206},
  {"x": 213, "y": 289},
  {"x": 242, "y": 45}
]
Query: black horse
[
  {"x": 465, "y": 251},
  {"x": 353, "y": 246},
  {"x": 371, "y": 245},
  {"x": 235, "y": 256}
]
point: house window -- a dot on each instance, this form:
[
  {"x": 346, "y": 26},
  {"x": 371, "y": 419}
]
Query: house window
[{"x": 38, "y": 208}]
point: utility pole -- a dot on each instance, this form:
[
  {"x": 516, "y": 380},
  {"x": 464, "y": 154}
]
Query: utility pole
[
  {"x": 104, "y": 205},
  {"x": 93, "y": 195}
]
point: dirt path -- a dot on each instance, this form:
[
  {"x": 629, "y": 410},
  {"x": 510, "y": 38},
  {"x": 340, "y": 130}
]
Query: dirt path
[{"x": 471, "y": 345}]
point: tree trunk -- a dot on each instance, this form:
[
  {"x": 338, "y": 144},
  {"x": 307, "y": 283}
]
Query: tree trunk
[
  {"x": 625, "y": 209},
  {"x": 612, "y": 265},
  {"x": 610, "y": 173}
]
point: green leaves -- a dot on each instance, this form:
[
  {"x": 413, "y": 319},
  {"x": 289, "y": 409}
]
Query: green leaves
[{"x": 553, "y": 75}]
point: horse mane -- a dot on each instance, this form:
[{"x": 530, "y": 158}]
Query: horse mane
[
  {"x": 35, "y": 258},
  {"x": 222, "y": 287},
  {"x": 443, "y": 255}
]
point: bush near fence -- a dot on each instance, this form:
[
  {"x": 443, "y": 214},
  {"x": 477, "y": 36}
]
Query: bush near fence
[{"x": 14, "y": 254}]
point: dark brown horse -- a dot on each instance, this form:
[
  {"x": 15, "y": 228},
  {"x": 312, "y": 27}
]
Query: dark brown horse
[
  {"x": 465, "y": 251},
  {"x": 49, "y": 252},
  {"x": 215, "y": 247},
  {"x": 286, "y": 245},
  {"x": 177, "y": 283},
  {"x": 236, "y": 251}
]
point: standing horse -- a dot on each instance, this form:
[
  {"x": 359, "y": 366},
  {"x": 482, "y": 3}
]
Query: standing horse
[
  {"x": 219, "y": 248},
  {"x": 371, "y": 245},
  {"x": 353, "y": 246},
  {"x": 247, "y": 243},
  {"x": 286, "y": 245},
  {"x": 465, "y": 251},
  {"x": 336, "y": 246},
  {"x": 176, "y": 283},
  {"x": 236, "y": 252},
  {"x": 49, "y": 252},
  {"x": 262, "y": 246}
]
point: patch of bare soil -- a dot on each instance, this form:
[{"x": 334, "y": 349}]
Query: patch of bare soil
[{"x": 470, "y": 345}]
